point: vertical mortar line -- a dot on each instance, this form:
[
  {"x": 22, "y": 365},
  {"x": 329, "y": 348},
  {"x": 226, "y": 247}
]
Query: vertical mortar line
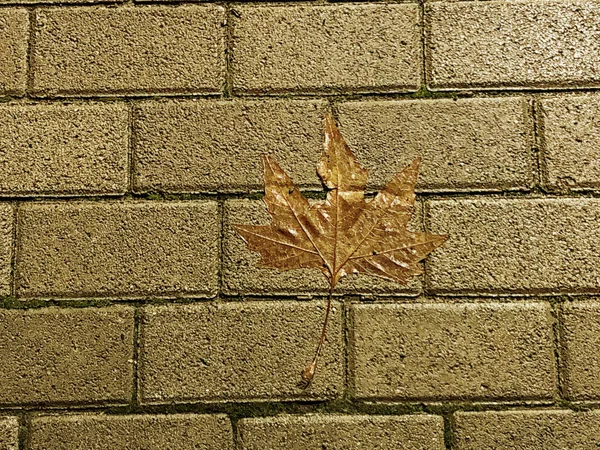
[
  {"x": 237, "y": 441},
  {"x": 228, "y": 85},
  {"x": 131, "y": 145},
  {"x": 30, "y": 50},
  {"x": 345, "y": 331},
  {"x": 349, "y": 351},
  {"x": 539, "y": 171},
  {"x": 221, "y": 238},
  {"x": 423, "y": 26},
  {"x": 24, "y": 425},
  {"x": 136, "y": 354},
  {"x": 14, "y": 248},
  {"x": 557, "y": 312},
  {"x": 448, "y": 430}
]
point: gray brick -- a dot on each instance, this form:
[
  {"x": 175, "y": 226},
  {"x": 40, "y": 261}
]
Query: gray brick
[
  {"x": 59, "y": 355},
  {"x": 241, "y": 276},
  {"x": 527, "y": 430},
  {"x": 117, "y": 432},
  {"x": 317, "y": 432},
  {"x": 14, "y": 33},
  {"x": 207, "y": 145},
  {"x": 118, "y": 249},
  {"x": 469, "y": 144},
  {"x": 513, "y": 44},
  {"x": 580, "y": 340},
  {"x": 327, "y": 47},
  {"x": 129, "y": 50},
  {"x": 515, "y": 245},
  {"x": 472, "y": 351},
  {"x": 238, "y": 351},
  {"x": 55, "y": 149},
  {"x": 9, "y": 433},
  {"x": 571, "y": 130}
]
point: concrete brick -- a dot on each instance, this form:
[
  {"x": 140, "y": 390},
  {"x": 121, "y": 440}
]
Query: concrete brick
[
  {"x": 118, "y": 249},
  {"x": 327, "y": 47},
  {"x": 207, "y": 145},
  {"x": 465, "y": 144},
  {"x": 571, "y": 127},
  {"x": 241, "y": 276},
  {"x": 9, "y": 433},
  {"x": 149, "y": 432},
  {"x": 515, "y": 245},
  {"x": 6, "y": 248},
  {"x": 474, "y": 351},
  {"x": 513, "y": 44},
  {"x": 54, "y": 355},
  {"x": 238, "y": 351},
  {"x": 580, "y": 339},
  {"x": 527, "y": 430},
  {"x": 317, "y": 432},
  {"x": 14, "y": 34},
  {"x": 64, "y": 149},
  {"x": 129, "y": 50}
]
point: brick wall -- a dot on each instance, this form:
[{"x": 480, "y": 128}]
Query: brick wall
[{"x": 130, "y": 142}]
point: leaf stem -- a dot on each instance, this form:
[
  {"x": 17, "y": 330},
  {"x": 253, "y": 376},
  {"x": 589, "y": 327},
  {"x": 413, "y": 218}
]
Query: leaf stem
[{"x": 309, "y": 371}]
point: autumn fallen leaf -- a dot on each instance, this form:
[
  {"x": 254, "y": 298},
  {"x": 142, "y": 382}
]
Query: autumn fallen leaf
[{"x": 345, "y": 233}]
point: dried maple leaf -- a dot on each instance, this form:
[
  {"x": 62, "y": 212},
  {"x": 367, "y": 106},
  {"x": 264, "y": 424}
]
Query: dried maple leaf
[{"x": 345, "y": 233}]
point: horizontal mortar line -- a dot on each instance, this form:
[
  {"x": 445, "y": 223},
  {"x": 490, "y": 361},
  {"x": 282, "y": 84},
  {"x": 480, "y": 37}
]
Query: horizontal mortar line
[
  {"x": 152, "y": 197},
  {"x": 520, "y": 293},
  {"x": 337, "y": 97},
  {"x": 10, "y": 303},
  {"x": 335, "y": 406}
]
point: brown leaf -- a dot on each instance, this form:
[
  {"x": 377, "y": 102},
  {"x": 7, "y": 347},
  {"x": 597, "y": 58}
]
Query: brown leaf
[{"x": 345, "y": 233}]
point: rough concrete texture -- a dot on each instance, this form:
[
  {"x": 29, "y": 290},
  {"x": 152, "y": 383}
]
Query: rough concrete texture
[
  {"x": 326, "y": 47},
  {"x": 114, "y": 249},
  {"x": 571, "y": 144},
  {"x": 580, "y": 340},
  {"x": 6, "y": 247},
  {"x": 513, "y": 44},
  {"x": 14, "y": 33},
  {"x": 148, "y": 432},
  {"x": 59, "y": 355},
  {"x": 476, "y": 351},
  {"x": 465, "y": 144},
  {"x": 64, "y": 149},
  {"x": 129, "y": 50},
  {"x": 238, "y": 351},
  {"x": 341, "y": 432},
  {"x": 207, "y": 145},
  {"x": 515, "y": 245},
  {"x": 9, "y": 433},
  {"x": 241, "y": 276},
  {"x": 527, "y": 430}
]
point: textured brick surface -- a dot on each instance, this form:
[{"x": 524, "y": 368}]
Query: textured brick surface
[
  {"x": 14, "y": 32},
  {"x": 337, "y": 432},
  {"x": 314, "y": 48},
  {"x": 513, "y": 44},
  {"x": 149, "y": 432},
  {"x": 9, "y": 433},
  {"x": 56, "y": 355},
  {"x": 241, "y": 276},
  {"x": 237, "y": 351},
  {"x": 571, "y": 129},
  {"x": 118, "y": 249},
  {"x": 6, "y": 247},
  {"x": 515, "y": 245},
  {"x": 129, "y": 50},
  {"x": 461, "y": 351},
  {"x": 63, "y": 149},
  {"x": 465, "y": 144},
  {"x": 527, "y": 430},
  {"x": 580, "y": 340},
  {"x": 208, "y": 145}
]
